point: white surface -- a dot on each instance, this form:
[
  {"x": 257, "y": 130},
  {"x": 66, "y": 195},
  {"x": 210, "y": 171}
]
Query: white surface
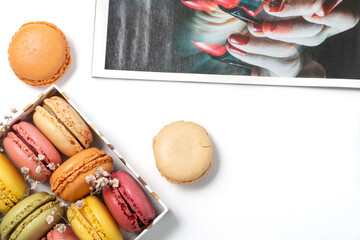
[{"x": 286, "y": 159}]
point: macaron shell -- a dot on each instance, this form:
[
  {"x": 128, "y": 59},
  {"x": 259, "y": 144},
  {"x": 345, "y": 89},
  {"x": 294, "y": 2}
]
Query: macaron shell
[
  {"x": 183, "y": 152},
  {"x": 55, "y": 235},
  {"x": 78, "y": 187},
  {"x": 39, "y": 53},
  {"x": 56, "y": 132},
  {"x": 35, "y": 225},
  {"x": 135, "y": 197},
  {"x": 120, "y": 210},
  {"x": 99, "y": 216},
  {"x": 80, "y": 225},
  {"x": 71, "y": 119},
  {"x": 19, "y": 153},
  {"x": 21, "y": 210},
  {"x": 68, "y": 181},
  {"x": 36, "y": 139},
  {"x": 12, "y": 183}
]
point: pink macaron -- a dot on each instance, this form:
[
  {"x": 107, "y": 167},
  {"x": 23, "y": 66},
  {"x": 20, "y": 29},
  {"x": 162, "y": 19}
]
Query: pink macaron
[
  {"x": 55, "y": 235},
  {"x": 26, "y": 142},
  {"x": 128, "y": 203}
]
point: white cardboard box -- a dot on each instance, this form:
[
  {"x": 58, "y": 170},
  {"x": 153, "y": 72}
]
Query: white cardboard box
[{"x": 99, "y": 142}]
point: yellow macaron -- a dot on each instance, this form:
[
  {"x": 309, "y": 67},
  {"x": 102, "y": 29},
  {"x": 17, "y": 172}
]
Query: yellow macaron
[
  {"x": 12, "y": 185},
  {"x": 90, "y": 219}
]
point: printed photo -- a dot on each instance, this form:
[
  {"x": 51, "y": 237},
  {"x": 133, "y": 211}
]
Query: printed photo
[{"x": 263, "y": 38}]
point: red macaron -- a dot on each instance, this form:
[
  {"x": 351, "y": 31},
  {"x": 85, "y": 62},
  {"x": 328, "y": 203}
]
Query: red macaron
[
  {"x": 128, "y": 203},
  {"x": 26, "y": 142}
]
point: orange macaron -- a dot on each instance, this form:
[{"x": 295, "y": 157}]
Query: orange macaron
[{"x": 39, "y": 53}]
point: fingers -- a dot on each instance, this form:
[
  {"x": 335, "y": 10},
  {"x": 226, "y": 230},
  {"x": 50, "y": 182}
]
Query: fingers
[
  {"x": 279, "y": 66},
  {"x": 291, "y": 8},
  {"x": 342, "y": 18},
  {"x": 292, "y": 28},
  {"x": 262, "y": 46}
]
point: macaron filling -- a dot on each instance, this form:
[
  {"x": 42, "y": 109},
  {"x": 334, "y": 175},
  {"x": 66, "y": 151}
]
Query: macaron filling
[
  {"x": 92, "y": 162},
  {"x": 28, "y": 148},
  {"x": 127, "y": 207},
  {"x": 30, "y": 143},
  {"x": 52, "y": 113},
  {"x": 8, "y": 230}
]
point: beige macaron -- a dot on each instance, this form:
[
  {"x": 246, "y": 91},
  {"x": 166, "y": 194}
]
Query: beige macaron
[
  {"x": 183, "y": 152},
  {"x": 63, "y": 126}
]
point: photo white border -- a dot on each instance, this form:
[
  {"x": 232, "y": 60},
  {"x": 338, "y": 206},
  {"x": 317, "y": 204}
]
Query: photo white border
[{"x": 99, "y": 71}]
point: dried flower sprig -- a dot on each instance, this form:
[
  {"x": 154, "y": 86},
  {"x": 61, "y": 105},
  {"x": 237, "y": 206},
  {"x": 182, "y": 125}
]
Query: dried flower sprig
[
  {"x": 61, "y": 227},
  {"x": 5, "y": 127},
  {"x": 100, "y": 180},
  {"x": 38, "y": 160}
]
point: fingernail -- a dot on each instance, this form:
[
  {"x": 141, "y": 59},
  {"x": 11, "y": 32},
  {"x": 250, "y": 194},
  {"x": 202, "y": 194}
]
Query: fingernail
[
  {"x": 257, "y": 28},
  {"x": 228, "y": 3},
  {"x": 327, "y": 7},
  {"x": 238, "y": 39},
  {"x": 274, "y": 5},
  {"x": 236, "y": 50},
  {"x": 269, "y": 26}
]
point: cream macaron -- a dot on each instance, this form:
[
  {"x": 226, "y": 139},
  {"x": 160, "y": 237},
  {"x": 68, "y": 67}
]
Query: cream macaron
[
  {"x": 183, "y": 152},
  {"x": 63, "y": 126}
]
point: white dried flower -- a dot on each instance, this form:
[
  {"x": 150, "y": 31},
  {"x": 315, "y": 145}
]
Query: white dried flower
[
  {"x": 62, "y": 204},
  {"x": 38, "y": 169},
  {"x": 1, "y": 149},
  {"x": 90, "y": 179},
  {"x": 60, "y": 227},
  {"x": 114, "y": 183},
  {"x": 101, "y": 183},
  {"x": 14, "y": 110},
  {"x": 31, "y": 158},
  {"x": 79, "y": 204},
  {"x": 49, "y": 219},
  {"x": 1, "y": 123},
  {"x": 106, "y": 174},
  {"x": 51, "y": 166},
  {"x": 41, "y": 157},
  {"x": 54, "y": 210},
  {"x": 34, "y": 185},
  {"x": 25, "y": 170},
  {"x": 99, "y": 171}
]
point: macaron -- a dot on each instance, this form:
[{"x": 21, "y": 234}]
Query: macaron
[
  {"x": 12, "y": 185},
  {"x": 128, "y": 203},
  {"x": 55, "y": 235},
  {"x": 28, "y": 220},
  {"x": 63, "y": 126},
  {"x": 183, "y": 152},
  {"x": 69, "y": 181},
  {"x": 92, "y": 220},
  {"x": 39, "y": 53},
  {"x": 25, "y": 141}
]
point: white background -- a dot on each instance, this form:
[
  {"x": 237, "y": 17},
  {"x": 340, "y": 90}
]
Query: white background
[{"x": 286, "y": 159}]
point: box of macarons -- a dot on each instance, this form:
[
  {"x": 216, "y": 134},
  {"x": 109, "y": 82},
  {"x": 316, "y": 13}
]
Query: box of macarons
[{"x": 60, "y": 178}]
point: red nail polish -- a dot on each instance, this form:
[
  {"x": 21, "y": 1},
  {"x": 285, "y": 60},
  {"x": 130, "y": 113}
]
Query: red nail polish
[
  {"x": 238, "y": 39},
  {"x": 205, "y": 5},
  {"x": 257, "y": 28},
  {"x": 236, "y": 50},
  {"x": 275, "y": 5},
  {"x": 228, "y": 3}
]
